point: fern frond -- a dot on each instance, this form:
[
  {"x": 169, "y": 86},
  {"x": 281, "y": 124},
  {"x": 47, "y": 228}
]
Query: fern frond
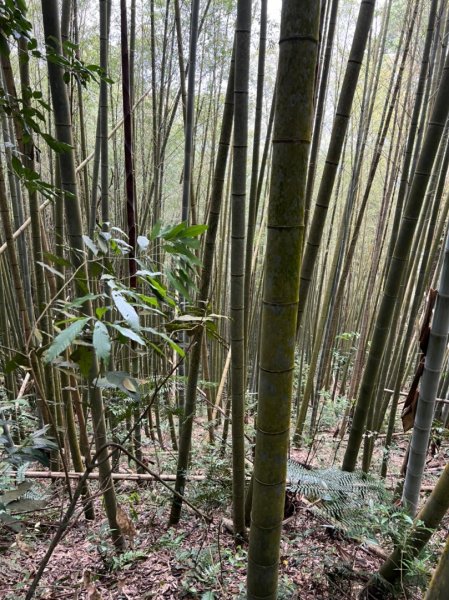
[{"x": 349, "y": 498}]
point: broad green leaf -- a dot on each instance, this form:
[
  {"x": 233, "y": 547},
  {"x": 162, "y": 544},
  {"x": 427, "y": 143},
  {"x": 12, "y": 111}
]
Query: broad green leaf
[
  {"x": 13, "y": 495},
  {"x": 173, "y": 232},
  {"x": 156, "y": 349},
  {"x": 102, "y": 242},
  {"x": 101, "y": 341},
  {"x": 194, "y": 230},
  {"x": 180, "y": 248},
  {"x": 127, "y": 311},
  {"x": 146, "y": 273},
  {"x": 4, "y": 48},
  {"x": 129, "y": 333},
  {"x": 169, "y": 341},
  {"x": 176, "y": 283},
  {"x": 95, "y": 269},
  {"x": 194, "y": 243},
  {"x": 100, "y": 311},
  {"x": 81, "y": 282},
  {"x": 57, "y": 260},
  {"x": 17, "y": 165},
  {"x": 63, "y": 340},
  {"x": 148, "y": 300},
  {"x": 90, "y": 244},
  {"x": 105, "y": 235},
  {"x": 82, "y": 299},
  {"x": 125, "y": 382},
  {"x": 18, "y": 360},
  {"x": 187, "y": 318},
  {"x": 143, "y": 242},
  {"x": 51, "y": 269},
  {"x": 156, "y": 230},
  {"x": 56, "y": 145},
  {"x": 157, "y": 287},
  {"x": 68, "y": 45},
  {"x": 119, "y": 231},
  {"x": 121, "y": 243}
]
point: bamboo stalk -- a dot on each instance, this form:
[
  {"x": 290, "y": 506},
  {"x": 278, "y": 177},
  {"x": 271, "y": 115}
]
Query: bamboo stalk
[
  {"x": 115, "y": 476},
  {"x": 82, "y": 164}
]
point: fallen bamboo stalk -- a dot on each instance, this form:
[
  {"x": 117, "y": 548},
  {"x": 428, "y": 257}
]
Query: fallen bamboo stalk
[
  {"x": 141, "y": 477},
  {"x": 115, "y": 476},
  {"x": 442, "y": 400}
]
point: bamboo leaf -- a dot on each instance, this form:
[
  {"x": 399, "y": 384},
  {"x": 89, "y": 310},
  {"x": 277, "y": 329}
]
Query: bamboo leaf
[
  {"x": 146, "y": 273},
  {"x": 100, "y": 311},
  {"x": 127, "y": 311},
  {"x": 125, "y": 382},
  {"x": 194, "y": 230},
  {"x": 56, "y": 145},
  {"x": 173, "y": 232},
  {"x": 63, "y": 340},
  {"x": 129, "y": 333},
  {"x": 143, "y": 242},
  {"x": 169, "y": 341},
  {"x": 51, "y": 269},
  {"x": 101, "y": 341},
  {"x": 155, "y": 232},
  {"x": 83, "y": 357},
  {"x": 57, "y": 260},
  {"x": 90, "y": 244},
  {"x": 13, "y": 495}
]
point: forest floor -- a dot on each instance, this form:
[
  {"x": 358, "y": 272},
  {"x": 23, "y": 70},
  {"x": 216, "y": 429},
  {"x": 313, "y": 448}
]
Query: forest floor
[{"x": 196, "y": 559}]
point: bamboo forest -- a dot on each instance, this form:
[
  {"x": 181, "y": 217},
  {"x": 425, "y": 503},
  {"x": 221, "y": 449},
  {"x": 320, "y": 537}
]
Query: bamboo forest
[{"x": 224, "y": 299}]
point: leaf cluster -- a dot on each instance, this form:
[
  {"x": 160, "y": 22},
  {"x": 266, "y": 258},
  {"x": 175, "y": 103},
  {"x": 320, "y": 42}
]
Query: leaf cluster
[
  {"x": 14, "y": 460},
  {"x": 118, "y": 308}
]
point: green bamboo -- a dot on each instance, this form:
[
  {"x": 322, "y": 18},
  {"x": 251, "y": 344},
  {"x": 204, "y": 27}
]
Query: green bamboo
[
  {"x": 339, "y": 128},
  {"x": 208, "y": 259},
  {"x": 428, "y": 390},
  {"x": 395, "y": 567},
  {"x": 237, "y": 308},
  {"x": 298, "y": 51},
  {"x": 439, "y": 585},
  {"x": 63, "y": 130},
  {"x": 398, "y": 264}
]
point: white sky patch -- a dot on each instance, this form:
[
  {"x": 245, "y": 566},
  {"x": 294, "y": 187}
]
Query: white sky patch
[{"x": 274, "y": 10}]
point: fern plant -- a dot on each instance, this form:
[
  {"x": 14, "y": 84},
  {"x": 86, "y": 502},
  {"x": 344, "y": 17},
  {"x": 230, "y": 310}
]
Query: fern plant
[{"x": 352, "y": 501}]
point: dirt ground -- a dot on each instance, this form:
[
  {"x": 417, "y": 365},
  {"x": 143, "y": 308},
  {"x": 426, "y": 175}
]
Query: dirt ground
[{"x": 195, "y": 560}]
